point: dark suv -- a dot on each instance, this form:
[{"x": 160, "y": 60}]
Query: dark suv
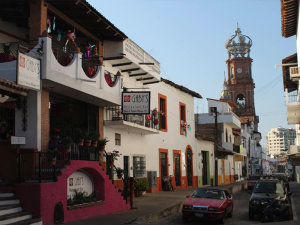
[{"x": 268, "y": 192}]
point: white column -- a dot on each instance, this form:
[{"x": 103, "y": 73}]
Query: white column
[{"x": 33, "y": 117}]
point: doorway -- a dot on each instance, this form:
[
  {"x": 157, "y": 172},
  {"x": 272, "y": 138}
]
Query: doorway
[
  {"x": 177, "y": 169},
  {"x": 163, "y": 168},
  {"x": 126, "y": 166},
  {"x": 189, "y": 167},
  {"x": 204, "y": 168}
]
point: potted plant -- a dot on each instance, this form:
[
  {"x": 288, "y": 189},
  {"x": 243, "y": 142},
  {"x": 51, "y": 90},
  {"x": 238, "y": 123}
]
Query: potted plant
[
  {"x": 95, "y": 138},
  {"x": 78, "y": 136},
  {"x": 141, "y": 186},
  {"x": 115, "y": 155},
  {"x": 87, "y": 139},
  {"x": 66, "y": 143},
  {"x": 119, "y": 172},
  {"x": 102, "y": 143}
]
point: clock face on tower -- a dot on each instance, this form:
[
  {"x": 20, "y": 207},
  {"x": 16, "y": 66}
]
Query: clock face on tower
[{"x": 239, "y": 70}]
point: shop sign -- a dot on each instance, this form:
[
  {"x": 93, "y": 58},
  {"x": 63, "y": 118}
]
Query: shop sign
[
  {"x": 136, "y": 102},
  {"x": 81, "y": 182},
  {"x": 14, "y": 140},
  {"x": 29, "y": 70}
]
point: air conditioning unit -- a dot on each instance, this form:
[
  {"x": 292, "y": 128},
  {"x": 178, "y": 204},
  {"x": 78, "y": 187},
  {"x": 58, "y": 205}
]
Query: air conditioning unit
[{"x": 294, "y": 73}]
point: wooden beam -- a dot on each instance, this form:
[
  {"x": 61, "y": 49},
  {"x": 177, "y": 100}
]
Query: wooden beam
[
  {"x": 132, "y": 69},
  {"x": 12, "y": 90},
  {"x": 113, "y": 58},
  {"x": 121, "y": 64},
  {"x": 137, "y": 74},
  {"x": 71, "y": 22},
  {"x": 146, "y": 78},
  {"x": 153, "y": 82}
]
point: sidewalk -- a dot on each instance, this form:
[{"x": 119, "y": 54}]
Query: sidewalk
[{"x": 149, "y": 207}]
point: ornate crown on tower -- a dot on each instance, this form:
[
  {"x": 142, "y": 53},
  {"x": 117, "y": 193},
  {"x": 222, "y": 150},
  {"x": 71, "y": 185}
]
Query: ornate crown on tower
[{"x": 238, "y": 45}]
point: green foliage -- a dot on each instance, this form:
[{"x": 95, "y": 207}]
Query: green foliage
[
  {"x": 119, "y": 171},
  {"x": 95, "y": 136},
  {"x": 141, "y": 184},
  {"x": 78, "y": 134},
  {"x": 81, "y": 197},
  {"x": 102, "y": 142}
]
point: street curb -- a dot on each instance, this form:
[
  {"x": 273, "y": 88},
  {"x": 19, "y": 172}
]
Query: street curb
[{"x": 176, "y": 208}]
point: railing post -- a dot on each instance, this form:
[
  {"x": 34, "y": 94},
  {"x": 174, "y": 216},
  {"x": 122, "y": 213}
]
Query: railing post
[
  {"x": 19, "y": 167},
  {"x": 39, "y": 166},
  {"x": 54, "y": 173}
]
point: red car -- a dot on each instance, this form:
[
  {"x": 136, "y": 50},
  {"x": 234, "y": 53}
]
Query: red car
[{"x": 209, "y": 203}]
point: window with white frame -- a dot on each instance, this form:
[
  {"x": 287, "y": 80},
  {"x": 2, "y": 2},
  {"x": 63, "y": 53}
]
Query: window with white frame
[{"x": 139, "y": 166}]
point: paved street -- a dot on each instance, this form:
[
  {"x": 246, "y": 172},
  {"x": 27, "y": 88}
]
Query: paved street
[{"x": 240, "y": 215}]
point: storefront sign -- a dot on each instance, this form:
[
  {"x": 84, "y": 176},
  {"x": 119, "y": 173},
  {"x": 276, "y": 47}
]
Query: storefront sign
[
  {"x": 81, "y": 182},
  {"x": 29, "y": 71},
  {"x": 14, "y": 140},
  {"x": 136, "y": 102}
]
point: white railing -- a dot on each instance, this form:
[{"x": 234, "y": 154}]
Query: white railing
[{"x": 294, "y": 73}]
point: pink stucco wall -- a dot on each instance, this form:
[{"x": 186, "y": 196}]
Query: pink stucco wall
[{"x": 40, "y": 199}]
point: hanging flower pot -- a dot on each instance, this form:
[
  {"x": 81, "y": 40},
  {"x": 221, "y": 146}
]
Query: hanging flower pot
[
  {"x": 102, "y": 148},
  {"x": 53, "y": 161},
  {"x": 88, "y": 143},
  {"x": 81, "y": 142},
  {"x": 95, "y": 143}
]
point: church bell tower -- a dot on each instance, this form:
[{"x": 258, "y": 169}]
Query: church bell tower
[{"x": 240, "y": 85}]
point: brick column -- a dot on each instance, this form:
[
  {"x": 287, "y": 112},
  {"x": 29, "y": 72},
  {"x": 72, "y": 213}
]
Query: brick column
[
  {"x": 45, "y": 123},
  {"x": 37, "y": 19}
]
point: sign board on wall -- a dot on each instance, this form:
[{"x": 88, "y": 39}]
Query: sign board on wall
[
  {"x": 29, "y": 70},
  {"x": 81, "y": 182},
  {"x": 136, "y": 102},
  {"x": 14, "y": 140}
]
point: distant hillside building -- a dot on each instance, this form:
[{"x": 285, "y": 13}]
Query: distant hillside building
[{"x": 278, "y": 140}]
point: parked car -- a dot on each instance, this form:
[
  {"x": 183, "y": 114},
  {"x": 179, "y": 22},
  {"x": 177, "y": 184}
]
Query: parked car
[
  {"x": 270, "y": 192},
  {"x": 209, "y": 203},
  {"x": 251, "y": 181}
]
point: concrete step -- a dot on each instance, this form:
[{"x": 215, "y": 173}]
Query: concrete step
[
  {"x": 9, "y": 201},
  {"x": 6, "y": 194},
  {"x": 8, "y": 209},
  {"x": 29, "y": 222},
  {"x": 14, "y": 217}
]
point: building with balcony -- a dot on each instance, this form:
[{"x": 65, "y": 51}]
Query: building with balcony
[
  {"x": 290, "y": 69},
  {"x": 223, "y": 127},
  {"x": 279, "y": 139},
  {"x": 160, "y": 144}
]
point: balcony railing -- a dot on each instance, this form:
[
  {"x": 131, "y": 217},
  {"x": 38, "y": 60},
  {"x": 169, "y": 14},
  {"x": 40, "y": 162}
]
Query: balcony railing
[
  {"x": 293, "y": 107},
  {"x": 41, "y": 166},
  {"x": 113, "y": 113}
]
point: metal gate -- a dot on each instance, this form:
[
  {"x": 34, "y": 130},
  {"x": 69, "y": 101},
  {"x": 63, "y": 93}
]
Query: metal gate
[
  {"x": 204, "y": 168},
  {"x": 177, "y": 169},
  {"x": 189, "y": 167}
]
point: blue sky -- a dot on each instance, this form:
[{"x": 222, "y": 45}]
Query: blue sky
[{"x": 187, "y": 37}]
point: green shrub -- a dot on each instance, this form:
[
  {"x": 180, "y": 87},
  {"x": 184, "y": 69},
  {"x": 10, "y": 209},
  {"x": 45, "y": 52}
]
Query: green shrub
[
  {"x": 141, "y": 184},
  {"x": 81, "y": 197}
]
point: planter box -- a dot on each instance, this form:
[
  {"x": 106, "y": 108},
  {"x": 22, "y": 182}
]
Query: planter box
[{"x": 84, "y": 205}]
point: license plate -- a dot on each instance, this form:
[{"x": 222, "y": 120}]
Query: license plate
[{"x": 200, "y": 215}]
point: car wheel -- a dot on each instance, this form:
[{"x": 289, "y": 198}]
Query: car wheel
[
  {"x": 251, "y": 215},
  {"x": 231, "y": 213},
  {"x": 222, "y": 220}
]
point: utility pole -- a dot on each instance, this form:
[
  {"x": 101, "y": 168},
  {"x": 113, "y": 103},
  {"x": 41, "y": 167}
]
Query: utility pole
[{"x": 215, "y": 111}]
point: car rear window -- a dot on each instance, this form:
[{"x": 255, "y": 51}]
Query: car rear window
[
  {"x": 265, "y": 187},
  {"x": 206, "y": 193},
  {"x": 253, "y": 177}
]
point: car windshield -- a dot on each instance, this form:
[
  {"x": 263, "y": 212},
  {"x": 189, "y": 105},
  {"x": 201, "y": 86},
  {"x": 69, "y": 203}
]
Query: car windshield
[
  {"x": 206, "y": 193},
  {"x": 268, "y": 187}
]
